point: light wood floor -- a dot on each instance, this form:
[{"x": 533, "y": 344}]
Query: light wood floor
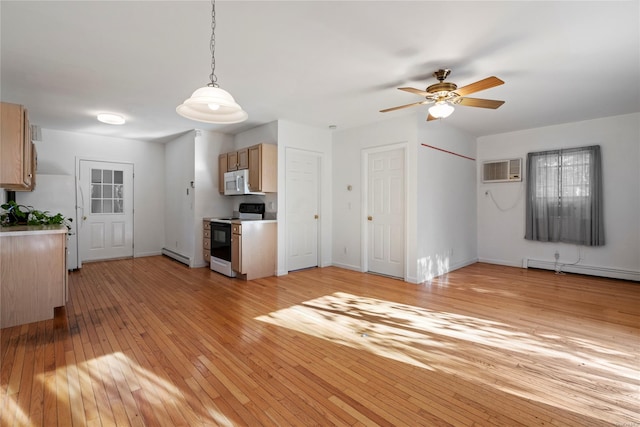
[{"x": 148, "y": 341}]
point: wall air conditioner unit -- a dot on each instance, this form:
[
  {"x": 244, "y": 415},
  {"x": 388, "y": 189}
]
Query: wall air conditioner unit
[{"x": 502, "y": 170}]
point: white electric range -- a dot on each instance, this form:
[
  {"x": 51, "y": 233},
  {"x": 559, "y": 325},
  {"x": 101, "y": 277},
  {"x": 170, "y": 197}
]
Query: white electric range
[{"x": 221, "y": 236}]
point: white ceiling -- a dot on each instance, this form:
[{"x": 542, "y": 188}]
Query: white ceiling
[{"x": 318, "y": 63}]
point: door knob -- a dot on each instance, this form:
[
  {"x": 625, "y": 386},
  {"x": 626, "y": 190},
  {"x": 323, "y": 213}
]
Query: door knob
[
  {"x": 369, "y": 218},
  {"x": 315, "y": 216},
  {"x": 84, "y": 218}
]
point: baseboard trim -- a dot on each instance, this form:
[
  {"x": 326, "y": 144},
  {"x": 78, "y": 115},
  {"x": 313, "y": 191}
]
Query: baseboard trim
[
  {"x": 146, "y": 254},
  {"x": 178, "y": 257},
  {"x": 613, "y": 273},
  {"x": 505, "y": 263},
  {"x": 347, "y": 266},
  {"x": 589, "y": 270}
]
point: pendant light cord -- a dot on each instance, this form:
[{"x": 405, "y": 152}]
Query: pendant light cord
[{"x": 212, "y": 46}]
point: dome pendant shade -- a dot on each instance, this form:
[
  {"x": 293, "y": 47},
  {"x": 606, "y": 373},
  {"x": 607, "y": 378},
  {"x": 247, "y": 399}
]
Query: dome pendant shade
[
  {"x": 202, "y": 107},
  {"x": 441, "y": 110}
]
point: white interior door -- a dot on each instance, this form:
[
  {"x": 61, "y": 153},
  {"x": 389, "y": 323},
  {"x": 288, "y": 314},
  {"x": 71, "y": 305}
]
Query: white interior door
[
  {"x": 105, "y": 216},
  {"x": 385, "y": 212},
  {"x": 302, "y": 209}
]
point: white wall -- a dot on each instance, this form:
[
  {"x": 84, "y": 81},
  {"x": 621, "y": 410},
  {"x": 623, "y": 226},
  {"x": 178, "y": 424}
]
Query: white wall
[
  {"x": 57, "y": 154},
  {"x": 348, "y": 215},
  {"x": 267, "y": 134},
  {"x": 179, "y": 196},
  {"x": 208, "y": 146},
  {"x": 446, "y": 211},
  {"x": 191, "y": 187},
  {"x": 501, "y": 233},
  {"x": 318, "y": 140}
]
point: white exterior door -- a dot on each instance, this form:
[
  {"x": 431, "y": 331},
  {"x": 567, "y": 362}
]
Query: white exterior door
[
  {"x": 105, "y": 210},
  {"x": 302, "y": 209},
  {"x": 385, "y": 212}
]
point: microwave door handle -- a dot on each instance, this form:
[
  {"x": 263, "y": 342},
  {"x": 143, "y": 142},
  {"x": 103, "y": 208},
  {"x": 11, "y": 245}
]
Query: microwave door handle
[{"x": 238, "y": 183}]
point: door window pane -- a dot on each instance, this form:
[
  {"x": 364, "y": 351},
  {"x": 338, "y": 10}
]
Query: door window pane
[
  {"x": 96, "y": 175},
  {"x": 96, "y": 191},
  {"x": 107, "y": 191}
]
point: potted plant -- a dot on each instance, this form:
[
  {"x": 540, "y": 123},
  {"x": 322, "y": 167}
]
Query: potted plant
[{"x": 15, "y": 214}]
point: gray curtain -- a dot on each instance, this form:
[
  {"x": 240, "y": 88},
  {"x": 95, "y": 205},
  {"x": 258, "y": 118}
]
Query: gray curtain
[{"x": 564, "y": 196}]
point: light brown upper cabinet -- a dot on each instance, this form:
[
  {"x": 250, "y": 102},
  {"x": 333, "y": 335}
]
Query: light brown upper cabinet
[
  {"x": 237, "y": 160},
  {"x": 243, "y": 159},
  {"x": 17, "y": 152},
  {"x": 222, "y": 168},
  {"x": 262, "y": 162},
  {"x": 232, "y": 161},
  {"x": 263, "y": 168}
]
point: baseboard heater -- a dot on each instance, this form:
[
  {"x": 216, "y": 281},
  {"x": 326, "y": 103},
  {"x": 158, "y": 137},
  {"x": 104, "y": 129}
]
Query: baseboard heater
[
  {"x": 175, "y": 255},
  {"x": 613, "y": 273}
]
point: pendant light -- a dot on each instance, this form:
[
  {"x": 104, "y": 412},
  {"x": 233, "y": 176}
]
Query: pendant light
[{"x": 210, "y": 104}]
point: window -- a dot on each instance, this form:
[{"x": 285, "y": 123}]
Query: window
[
  {"x": 107, "y": 191},
  {"x": 564, "y": 196}
]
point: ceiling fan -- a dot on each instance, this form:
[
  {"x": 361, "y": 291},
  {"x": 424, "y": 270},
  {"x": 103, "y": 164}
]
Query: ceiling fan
[{"x": 445, "y": 95}]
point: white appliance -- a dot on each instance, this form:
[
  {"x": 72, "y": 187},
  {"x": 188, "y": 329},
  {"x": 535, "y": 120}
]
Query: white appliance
[
  {"x": 56, "y": 194},
  {"x": 221, "y": 249},
  {"x": 236, "y": 183},
  {"x": 502, "y": 170}
]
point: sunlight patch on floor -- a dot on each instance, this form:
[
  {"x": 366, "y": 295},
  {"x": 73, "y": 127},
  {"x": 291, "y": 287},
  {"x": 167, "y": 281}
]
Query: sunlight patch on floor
[
  {"x": 159, "y": 392},
  {"x": 431, "y": 339},
  {"x": 9, "y": 409}
]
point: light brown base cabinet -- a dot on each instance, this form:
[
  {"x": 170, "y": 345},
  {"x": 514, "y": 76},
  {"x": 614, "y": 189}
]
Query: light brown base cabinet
[
  {"x": 206, "y": 240},
  {"x": 253, "y": 249},
  {"x": 33, "y": 273}
]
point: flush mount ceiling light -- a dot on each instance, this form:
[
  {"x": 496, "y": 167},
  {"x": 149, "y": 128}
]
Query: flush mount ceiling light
[
  {"x": 110, "y": 118},
  {"x": 210, "y": 104}
]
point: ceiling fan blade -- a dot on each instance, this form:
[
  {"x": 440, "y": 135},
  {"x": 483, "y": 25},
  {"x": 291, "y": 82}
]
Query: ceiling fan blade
[
  {"x": 430, "y": 117},
  {"x": 416, "y": 91},
  {"x": 415, "y": 104},
  {"x": 477, "y": 102},
  {"x": 487, "y": 83}
]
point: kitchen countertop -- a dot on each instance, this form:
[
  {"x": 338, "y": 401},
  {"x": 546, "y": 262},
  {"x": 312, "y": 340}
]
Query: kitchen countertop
[
  {"x": 239, "y": 221},
  {"x": 26, "y": 230}
]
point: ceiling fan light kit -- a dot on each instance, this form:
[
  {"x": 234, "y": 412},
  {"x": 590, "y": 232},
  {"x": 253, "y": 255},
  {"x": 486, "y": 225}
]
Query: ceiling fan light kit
[
  {"x": 441, "y": 110},
  {"x": 211, "y": 104},
  {"x": 445, "y": 94}
]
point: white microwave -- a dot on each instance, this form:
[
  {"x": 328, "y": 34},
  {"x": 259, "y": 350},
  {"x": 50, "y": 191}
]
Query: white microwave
[{"x": 236, "y": 183}]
